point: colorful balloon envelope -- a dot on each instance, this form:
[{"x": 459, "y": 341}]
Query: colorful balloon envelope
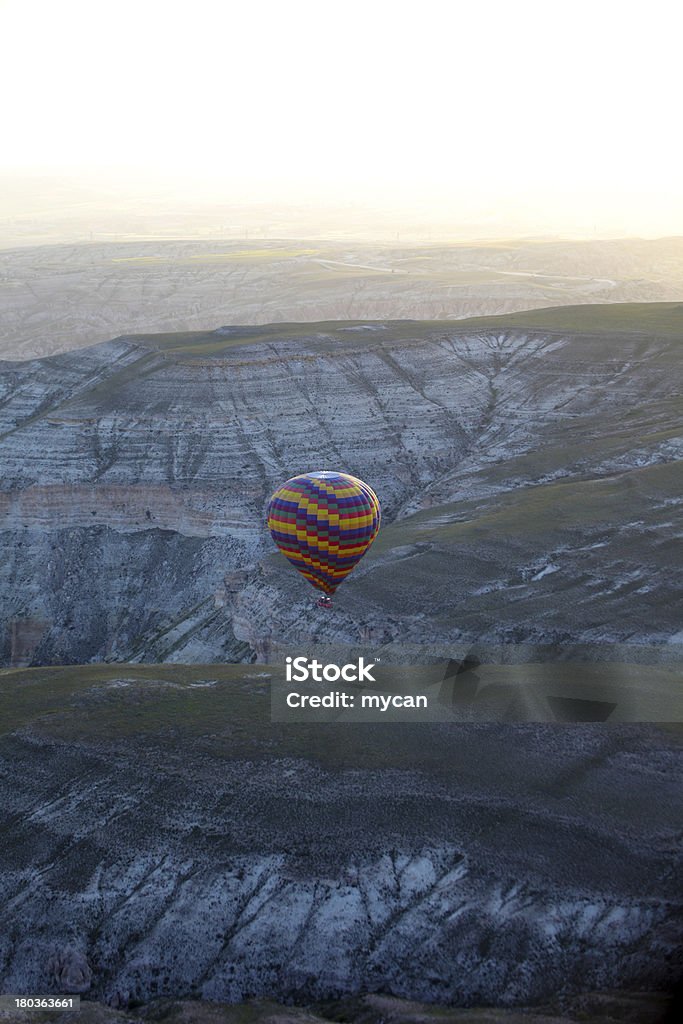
[{"x": 324, "y": 523}]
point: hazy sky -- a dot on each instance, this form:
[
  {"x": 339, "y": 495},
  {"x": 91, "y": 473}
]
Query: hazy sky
[{"x": 567, "y": 113}]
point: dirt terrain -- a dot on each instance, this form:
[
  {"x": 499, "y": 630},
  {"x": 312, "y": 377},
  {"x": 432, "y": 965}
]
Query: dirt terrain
[{"x": 59, "y": 297}]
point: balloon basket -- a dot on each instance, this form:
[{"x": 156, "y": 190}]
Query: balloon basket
[{"x": 324, "y": 602}]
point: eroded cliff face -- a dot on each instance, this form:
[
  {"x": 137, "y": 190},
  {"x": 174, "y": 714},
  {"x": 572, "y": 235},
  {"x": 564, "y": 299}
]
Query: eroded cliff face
[
  {"x": 529, "y": 479},
  {"x": 162, "y": 837}
]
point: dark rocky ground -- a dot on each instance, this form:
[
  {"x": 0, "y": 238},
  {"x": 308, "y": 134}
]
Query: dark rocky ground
[
  {"x": 592, "y": 1008},
  {"x": 161, "y": 837}
]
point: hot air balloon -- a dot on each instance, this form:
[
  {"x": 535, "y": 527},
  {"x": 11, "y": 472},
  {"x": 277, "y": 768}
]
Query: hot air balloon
[{"x": 324, "y": 523}]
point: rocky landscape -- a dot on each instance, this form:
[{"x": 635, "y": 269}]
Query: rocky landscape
[
  {"x": 529, "y": 469},
  {"x": 58, "y": 297},
  {"x": 163, "y": 838},
  {"x": 168, "y": 849}
]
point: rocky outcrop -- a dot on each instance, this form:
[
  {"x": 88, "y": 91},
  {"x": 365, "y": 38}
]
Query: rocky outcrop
[{"x": 69, "y": 971}]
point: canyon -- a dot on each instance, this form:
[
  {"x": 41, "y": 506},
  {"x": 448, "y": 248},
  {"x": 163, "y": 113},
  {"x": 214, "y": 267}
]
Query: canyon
[{"x": 529, "y": 469}]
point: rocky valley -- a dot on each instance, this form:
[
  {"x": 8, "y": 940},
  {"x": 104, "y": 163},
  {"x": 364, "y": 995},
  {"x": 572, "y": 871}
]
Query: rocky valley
[
  {"x": 168, "y": 849},
  {"x": 392, "y": 295},
  {"x": 529, "y": 469}
]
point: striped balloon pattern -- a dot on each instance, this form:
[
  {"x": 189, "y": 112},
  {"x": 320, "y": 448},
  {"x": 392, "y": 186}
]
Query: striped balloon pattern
[{"x": 324, "y": 523}]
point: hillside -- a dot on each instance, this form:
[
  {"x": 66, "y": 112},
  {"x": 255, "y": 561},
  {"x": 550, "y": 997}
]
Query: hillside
[
  {"x": 529, "y": 472},
  {"x": 162, "y": 837},
  {"x": 166, "y": 843}
]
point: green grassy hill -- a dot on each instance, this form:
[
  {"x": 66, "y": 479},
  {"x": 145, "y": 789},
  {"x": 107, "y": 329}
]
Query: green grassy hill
[{"x": 655, "y": 319}]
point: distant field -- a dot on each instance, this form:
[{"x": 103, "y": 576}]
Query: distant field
[
  {"x": 218, "y": 257},
  {"x": 61, "y": 297}
]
